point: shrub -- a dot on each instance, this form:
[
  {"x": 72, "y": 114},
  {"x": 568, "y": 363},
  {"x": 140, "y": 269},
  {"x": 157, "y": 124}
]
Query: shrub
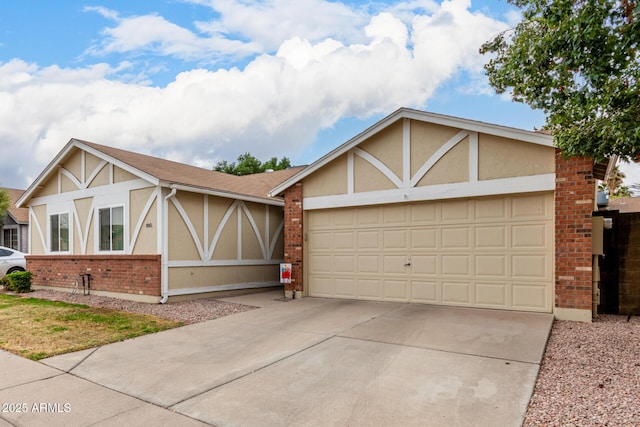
[
  {"x": 4, "y": 282},
  {"x": 19, "y": 281}
]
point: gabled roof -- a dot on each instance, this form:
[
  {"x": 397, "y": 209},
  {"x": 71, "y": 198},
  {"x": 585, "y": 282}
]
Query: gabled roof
[
  {"x": 540, "y": 138},
  {"x": 19, "y": 215},
  {"x": 167, "y": 173}
]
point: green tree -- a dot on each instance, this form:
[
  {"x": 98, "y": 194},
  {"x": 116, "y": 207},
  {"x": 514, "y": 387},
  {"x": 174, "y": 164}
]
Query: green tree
[
  {"x": 578, "y": 61},
  {"x": 5, "y": 203},
  {"x": 248, "y": 164}
]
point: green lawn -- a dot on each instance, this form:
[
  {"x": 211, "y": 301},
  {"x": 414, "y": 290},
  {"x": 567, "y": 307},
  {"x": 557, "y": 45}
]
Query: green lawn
[{"x": 36, "y": 328}]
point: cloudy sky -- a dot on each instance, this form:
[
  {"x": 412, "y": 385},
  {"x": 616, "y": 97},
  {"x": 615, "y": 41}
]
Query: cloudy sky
[{"x": 199, "y": 81}]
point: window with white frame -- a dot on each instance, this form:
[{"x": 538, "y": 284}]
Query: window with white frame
[
  {"x": 59, "y": 226},
  {"x": 111, "y": 225}
]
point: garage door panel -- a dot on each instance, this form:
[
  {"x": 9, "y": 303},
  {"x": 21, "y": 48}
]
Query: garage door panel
[
  {"x": 424, "y": 264},
  {"x": 369, "y": 288},
  {"x": 424, "y": 238},
  {"x": 321, "y": 241},
  {"x": 395, "y": 290},
  {"x": 424, "y": 213},
  {"x": 530, "y": 207},
  {"x": 394, "y": 215},
  {"x": 491, "y": 265},
  {"x": 322, "y": 286},
  {"x": 456, "y": 293},
  {"x": 369, "y": 264},
  {"x": 344, "y": 287},
  {"x": 395, "y": 264},
  {"x": 529, "y": 236},
  {"x": 343, "y": 217},
  {"x": 368, "y": 216},
  {"x": 531, "y": 296},
  {"x": 396, "y": 239},
  {"x": 344, "y": 240},
  {"x": 344, "y": 263},
  {"x": 492, "y": 294},
  {"x": 488, "y": 252},
  {"x": 423, "y": 291},
  {"x": 321, "y": 263},
  {"x": 456, "y": 211},
  {"x": 491, "y": 237},
  {"x": 491, "y": 209},
  {"x": 369, "y": 239},
  {"x": 456, "y": 238},
  {"x": 456, "y": 265}
]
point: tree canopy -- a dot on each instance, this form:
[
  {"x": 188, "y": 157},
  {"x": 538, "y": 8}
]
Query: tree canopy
[
  {"x": 578, "y": 61},
  {"x": 248, "y": 164},
  {"x": 5, "y": 203}
]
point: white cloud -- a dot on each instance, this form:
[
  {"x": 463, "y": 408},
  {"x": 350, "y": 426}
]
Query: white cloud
[{"x": 274, "y": 106}]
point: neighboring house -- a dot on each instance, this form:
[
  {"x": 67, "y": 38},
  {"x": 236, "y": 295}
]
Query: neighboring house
[
  {"x": 434, "y": 209},
  {"x": 15, "y": 224},
  {"x": 150, "y": 229},
  {"x": 624, "y": 204}
]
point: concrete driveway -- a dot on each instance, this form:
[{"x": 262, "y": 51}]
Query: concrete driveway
[{"x": 304, "y": 362}]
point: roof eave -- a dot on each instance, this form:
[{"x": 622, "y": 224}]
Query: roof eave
[{"x": 274, "y": 201}]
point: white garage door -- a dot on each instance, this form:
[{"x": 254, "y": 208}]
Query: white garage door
[{"x": 492, "y": 252}]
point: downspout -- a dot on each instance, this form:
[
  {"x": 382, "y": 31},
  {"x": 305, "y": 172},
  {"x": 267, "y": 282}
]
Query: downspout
[{"x": 164, "y": 286}]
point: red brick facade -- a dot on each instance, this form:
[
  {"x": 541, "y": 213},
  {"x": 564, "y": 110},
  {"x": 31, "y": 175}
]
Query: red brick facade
[
  {"x": 293, "y": 235},
  {"x": 128, "y": 274},
  {"x": 574, "y": 207}
]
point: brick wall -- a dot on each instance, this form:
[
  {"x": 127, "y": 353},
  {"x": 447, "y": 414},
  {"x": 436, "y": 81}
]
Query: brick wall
[
  {"x": 293, "y": 235},
  {"x": 574, "y": 207},
  {"x": 129, "y": 274}
]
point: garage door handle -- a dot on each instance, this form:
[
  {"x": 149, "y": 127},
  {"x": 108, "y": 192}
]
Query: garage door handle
[{"x": 407, "y": 264}]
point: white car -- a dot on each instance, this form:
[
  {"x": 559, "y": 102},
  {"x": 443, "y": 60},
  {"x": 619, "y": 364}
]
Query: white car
[{"x": 11, "y": 260}]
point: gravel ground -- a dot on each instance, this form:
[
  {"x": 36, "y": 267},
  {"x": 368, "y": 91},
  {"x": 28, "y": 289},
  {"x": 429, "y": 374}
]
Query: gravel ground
[
  {"x": 194, "y": 311},
  {"x": 590, "y": 373}
]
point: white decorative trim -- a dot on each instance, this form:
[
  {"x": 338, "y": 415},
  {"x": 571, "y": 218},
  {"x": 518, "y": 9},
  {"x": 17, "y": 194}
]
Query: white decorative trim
[
  {"x": 71, "y": 177},
  {"x": 33, "y": 221},
  {"x": 147, "y": 207},
  {"x": 473, "y": 157},
  {"x": 272, "y": 248},
  {"x": 379, "y": 165},
  {"x": 444, "y": 149},
  {"x": 84, "y": 234},
  {"x": 239, "y": 233},
  {"x": 422, "y": 116},
  {"x": 102, "y": 191},
  {"x": 221, "y": 225},
  {"x": 216, "y": 288},
  {"x": 523, "y": 184},
  {"x": 256, "y": 231},
  {"x": 95, "y": 173},
  {"x": 190, "y": 227},
  {"x": 350, "y": 173},
  {"x": 406, "y": 152}
]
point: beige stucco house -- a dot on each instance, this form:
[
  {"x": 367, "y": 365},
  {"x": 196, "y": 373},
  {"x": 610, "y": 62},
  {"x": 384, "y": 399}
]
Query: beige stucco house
[
  {"x": 144, "y": 228},
  {"x": 442, "y": 210}
]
